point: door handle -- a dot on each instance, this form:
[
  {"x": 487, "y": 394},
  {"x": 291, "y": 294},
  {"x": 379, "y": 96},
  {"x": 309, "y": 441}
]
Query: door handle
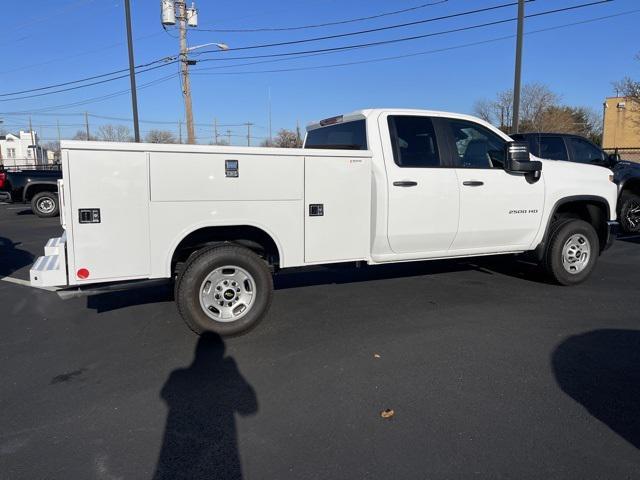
[
  {"x": 405, "y": 183},
  {"x": 472, "y": 183}
]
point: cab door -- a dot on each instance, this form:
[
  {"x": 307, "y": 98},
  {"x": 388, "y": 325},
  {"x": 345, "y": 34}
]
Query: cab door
[
  {"x": 423, "y": 190},
  {"x": 499, "y": 210}
]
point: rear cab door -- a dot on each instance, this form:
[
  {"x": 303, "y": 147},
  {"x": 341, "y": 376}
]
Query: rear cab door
[{"x": 423, "y": 192}]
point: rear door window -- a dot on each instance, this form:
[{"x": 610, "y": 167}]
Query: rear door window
[
  {"x": 414, "y": 141},
  {"x": 341, "y": 136},
  {"x": 585, "y": 152}
]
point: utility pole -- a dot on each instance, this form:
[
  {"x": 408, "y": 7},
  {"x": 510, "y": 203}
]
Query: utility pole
[
  {"x": 215, "y": 131},
  {"x": 58, "y": 155},
  {"x": 229, "y": 137},
  {"x": 518, "y": 72},
  {"x": 86, "y": 124},
  {"x": 270, "y": 131},
  {"x": 248, "y": 124},
  {"x": 181, "y": 16},
  {"x": 298, "y": 137},
  {"x": 132, "y": 73},
  {"x": 179, "y": 131},
  {"x": 33, "y": 142}
]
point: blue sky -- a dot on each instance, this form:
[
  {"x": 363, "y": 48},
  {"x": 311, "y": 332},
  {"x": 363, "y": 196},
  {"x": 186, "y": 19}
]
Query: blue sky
[{"x": 49, "y": 42}]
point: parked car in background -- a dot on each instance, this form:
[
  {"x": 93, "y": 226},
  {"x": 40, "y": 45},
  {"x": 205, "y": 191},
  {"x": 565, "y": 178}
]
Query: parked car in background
[
  {"x": 37, "y": 187},
  {"x": 574, "y": 148}
]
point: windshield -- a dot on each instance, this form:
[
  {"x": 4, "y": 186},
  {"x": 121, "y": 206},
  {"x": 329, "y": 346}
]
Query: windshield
[{"x": 341, "y": 136}]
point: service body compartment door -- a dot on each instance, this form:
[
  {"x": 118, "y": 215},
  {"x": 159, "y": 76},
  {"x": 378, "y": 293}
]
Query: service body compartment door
[
  {"x": 337, "y": 194},
  {"x": 109, "y": 197}
]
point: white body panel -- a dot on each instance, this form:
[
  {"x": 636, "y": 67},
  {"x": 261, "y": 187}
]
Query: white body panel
[
  {"x": 152, "y": 196},
  {"x": 505, "y": 211}
]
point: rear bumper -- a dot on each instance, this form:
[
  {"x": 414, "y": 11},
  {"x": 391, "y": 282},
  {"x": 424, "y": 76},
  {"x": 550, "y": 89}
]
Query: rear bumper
[{"x": 612, "y": 232}]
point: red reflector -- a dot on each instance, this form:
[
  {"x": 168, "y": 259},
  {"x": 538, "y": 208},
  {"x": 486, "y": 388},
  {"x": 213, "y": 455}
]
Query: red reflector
[
  {"x": 3, "y": 178},
  {"x": 83, "y": 273}
]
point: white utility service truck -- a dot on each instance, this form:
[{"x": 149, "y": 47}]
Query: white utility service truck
[{"x": 375, "y": 186}]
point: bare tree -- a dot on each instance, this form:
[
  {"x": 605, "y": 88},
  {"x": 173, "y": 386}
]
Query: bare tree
[
  {"x": 160, "y": 136},
  {"x": 114, "y": 133},
  {"x": 284, "y": 139},
  {"x": 82, "y": 135},
  {"x": 221, "y": 141}
]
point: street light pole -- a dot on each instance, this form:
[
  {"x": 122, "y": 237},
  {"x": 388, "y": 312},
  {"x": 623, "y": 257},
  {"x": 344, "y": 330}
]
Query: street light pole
[
  {"x": 518, "y": 72},
  {"x": 132, "y": 73}
]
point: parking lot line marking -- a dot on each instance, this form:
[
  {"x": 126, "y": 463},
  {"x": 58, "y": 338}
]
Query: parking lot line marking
[{"x": 26, "y": 283}]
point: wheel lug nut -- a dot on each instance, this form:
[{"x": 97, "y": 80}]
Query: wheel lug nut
[
  {"x": 217, "y": 296},
  {"x": 226, "y": 282},
  {"x": 218, "y": 288}
]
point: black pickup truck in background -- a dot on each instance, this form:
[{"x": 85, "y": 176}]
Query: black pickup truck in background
[
  {"x": 574, "y": 148},
  {"x": 37, "y": 187}
]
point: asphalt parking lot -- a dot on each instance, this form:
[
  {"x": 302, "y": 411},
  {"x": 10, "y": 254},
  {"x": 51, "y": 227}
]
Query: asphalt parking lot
[{"x": 490, "y": 371}]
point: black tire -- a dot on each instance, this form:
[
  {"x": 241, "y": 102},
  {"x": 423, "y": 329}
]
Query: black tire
[
  {"x": 198, "y": 268},
  {"x": 630, "y": 213},
  {"x": 45, "y": 204},
  {"x": 561, "y": 232}
]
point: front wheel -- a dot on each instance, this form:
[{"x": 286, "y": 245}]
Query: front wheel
[
  {"x": 45, "y": 204},
  {"x": 572, "y": 251},
  {"x": 226, "y": 290},
  {"x": 630, "y": 213}
]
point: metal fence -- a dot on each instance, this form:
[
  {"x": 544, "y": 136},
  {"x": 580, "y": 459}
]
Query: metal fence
[{"x": 630, "y": 154}]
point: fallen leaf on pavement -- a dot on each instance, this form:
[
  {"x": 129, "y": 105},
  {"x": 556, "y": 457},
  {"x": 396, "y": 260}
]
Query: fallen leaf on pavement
[{"x": 387, "y": 413}]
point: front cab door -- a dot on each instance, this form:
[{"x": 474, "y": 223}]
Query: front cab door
[{"x": 500, "y": 211}]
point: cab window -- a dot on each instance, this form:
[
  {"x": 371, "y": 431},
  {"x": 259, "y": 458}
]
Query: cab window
[
  {"x": 341, "y": 136},
  {"x": 476, "y": 146}
]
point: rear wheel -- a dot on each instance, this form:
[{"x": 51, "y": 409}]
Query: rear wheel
[
  {"x": 45, "y": 204},
  {"x": 572, "y": 251},
  {"x": 630, "y": 213},
  {"x": 226, "y": 290}
]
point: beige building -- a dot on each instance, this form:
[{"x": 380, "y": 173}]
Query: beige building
[{"x": 621, "y": 127}]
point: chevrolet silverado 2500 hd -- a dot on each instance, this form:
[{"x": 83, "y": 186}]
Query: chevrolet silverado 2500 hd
[{"x": 379, "y": 186}]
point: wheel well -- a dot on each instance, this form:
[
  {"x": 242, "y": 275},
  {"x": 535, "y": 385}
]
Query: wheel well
[
  {"x": 32, "y": 190},
  {"x": 633, "y": 186},
  {"x": 247, "y": 236},
  {"x": 594, "y": 212}
]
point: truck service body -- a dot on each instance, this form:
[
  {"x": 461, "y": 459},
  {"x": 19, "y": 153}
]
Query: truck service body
[{"x": 379, "y": 186}]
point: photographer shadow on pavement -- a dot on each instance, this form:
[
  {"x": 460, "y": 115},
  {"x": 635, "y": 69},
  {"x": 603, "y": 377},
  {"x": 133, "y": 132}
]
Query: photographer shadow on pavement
[
  {"x": 200, "y": 438},
  {"x": 601, "y": 371},
  {"x": 12, "y": 258}
]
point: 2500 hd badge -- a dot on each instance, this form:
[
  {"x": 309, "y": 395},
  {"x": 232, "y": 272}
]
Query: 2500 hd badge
[{"x": 516, "y": 212}]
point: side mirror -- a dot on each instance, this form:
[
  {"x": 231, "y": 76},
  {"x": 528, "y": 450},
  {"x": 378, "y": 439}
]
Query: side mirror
[
  {"x": 518, "y": 160},
  {"x": 613, "y": 159}
]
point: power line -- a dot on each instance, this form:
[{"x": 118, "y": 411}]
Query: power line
[
  {"x": 318, "y": 25},
  {"x": 95, "y": 99},
  {"x": 370, "y": 44},
  {"x": 426, "y": 52},
  {"x": 405, "y": 39},
  {"x": 378, "y": 29},
  {"x": 86, "y": 79}
]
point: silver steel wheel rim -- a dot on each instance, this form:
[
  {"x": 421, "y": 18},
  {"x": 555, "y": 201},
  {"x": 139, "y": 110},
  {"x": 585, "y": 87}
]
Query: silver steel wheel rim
[
  {"x": 576, "y": 253},
  {"x": 46, "y": 205},
  {"x": 633, "y": 215},
  {"x": 227, "y": 293}
]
